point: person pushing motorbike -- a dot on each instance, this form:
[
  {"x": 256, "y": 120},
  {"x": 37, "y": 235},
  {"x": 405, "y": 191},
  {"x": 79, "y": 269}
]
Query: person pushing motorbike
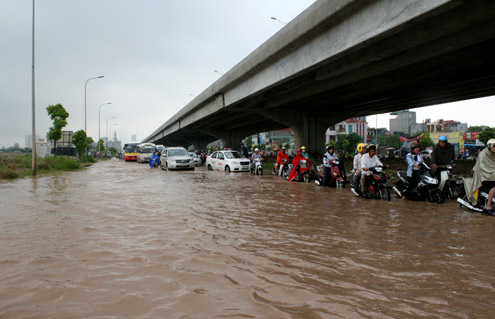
[
  {"x": 328, "y": 158},
  {"x": 280, "y": 159},
  {"x": 413, "y": 160},
  {"x": 356, "y": 164},
  {"x": 368, "y": 161}
]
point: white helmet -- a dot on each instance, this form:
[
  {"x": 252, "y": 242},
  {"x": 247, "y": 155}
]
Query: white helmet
[
  {"x": 256, "y": 150},
  {"x": 490, "y": 143}
]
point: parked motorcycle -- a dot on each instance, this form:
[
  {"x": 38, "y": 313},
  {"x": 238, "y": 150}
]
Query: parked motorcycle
[
  {"x": 427, "y": 188},
  {"x": 376, "y": 185}
]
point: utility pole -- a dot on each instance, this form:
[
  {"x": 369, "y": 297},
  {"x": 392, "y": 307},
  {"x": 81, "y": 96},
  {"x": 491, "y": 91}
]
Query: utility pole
[{"x": 33, "y": 154}]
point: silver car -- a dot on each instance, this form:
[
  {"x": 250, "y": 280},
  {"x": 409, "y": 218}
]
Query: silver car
[
  {"x": 176, "y": 158},
  {"x": 197, "y": 160}
]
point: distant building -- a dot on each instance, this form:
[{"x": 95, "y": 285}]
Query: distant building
[
  {"x": 133, "y": 138},
  {"x": 64, "y": 145},
  {"x": 404, "y": 122},
  {"x": 446, "y": 126},
  {"x": 371, "y": 138},
  {"x": 356, "y": 125},
  {"x": 115, "y": 143}
]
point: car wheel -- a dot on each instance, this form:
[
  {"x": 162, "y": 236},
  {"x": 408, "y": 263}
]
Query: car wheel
[
  {"x": 227, "y": 169},
  {"x": 209, "y": 167}
]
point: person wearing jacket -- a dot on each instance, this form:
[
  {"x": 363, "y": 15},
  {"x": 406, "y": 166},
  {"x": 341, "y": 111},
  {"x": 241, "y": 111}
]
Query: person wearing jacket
[
  {"x": 328, "y": 158},
  {"x": 443, "y": 154},
  {"x": 356, "y": 164},
  {"x": 368, "y": 161},
  {"x": 413, "y": 160},
  {"x": 295, "y": 164}
]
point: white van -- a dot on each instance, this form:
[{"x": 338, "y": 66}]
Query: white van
[{"x": 144, "y": 152}]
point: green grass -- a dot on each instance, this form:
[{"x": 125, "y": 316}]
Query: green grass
[{"x": 18, "y": 166}]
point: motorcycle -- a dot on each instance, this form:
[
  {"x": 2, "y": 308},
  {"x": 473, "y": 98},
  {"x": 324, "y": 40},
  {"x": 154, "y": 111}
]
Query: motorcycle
[
  {"x": 336, "y": 178},
  {"x": 304, "y": 172},
  {"x": 482, "y": 199},
  {"x": 284, "y": 169},
  {"x": 427, "y": 187},
  {"x": 450, "y": 187},
  {"x": 376, "y": 185},
  {"x": 258, "y": 168}
]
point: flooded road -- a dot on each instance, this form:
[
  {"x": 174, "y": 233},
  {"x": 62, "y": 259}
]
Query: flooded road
[{"x": 121, "y": 240}]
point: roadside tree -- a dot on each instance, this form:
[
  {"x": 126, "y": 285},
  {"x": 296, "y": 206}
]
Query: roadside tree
[
  {"x": 426, "y": 141},
  {"x": 59, "y": 116},
  {"x": 81, "y": 142},
  {"x": 487, "y": 134}
]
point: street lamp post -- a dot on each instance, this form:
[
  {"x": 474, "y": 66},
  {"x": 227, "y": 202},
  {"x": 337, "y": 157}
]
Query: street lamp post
[
  {"x": 85, "y": 127},
  {"x": 216, "y": 71},
  {"x": 33, "y": 150},
  {"x": 99, "y": 138}
]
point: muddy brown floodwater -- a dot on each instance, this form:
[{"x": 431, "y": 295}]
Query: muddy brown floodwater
[{"x": 121, "y": 240}]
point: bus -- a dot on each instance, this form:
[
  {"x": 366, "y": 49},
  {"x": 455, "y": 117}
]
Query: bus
[
  {"x": 130, "y": 151},
  {"x": 144, "y": 152}
]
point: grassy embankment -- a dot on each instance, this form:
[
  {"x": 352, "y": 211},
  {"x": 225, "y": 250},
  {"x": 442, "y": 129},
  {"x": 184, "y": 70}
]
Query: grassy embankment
[{"x": 19, "y": 166}]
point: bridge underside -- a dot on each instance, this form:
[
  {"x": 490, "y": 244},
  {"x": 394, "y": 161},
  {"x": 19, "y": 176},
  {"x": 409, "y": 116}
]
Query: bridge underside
[{"x": 444, "y": 57}]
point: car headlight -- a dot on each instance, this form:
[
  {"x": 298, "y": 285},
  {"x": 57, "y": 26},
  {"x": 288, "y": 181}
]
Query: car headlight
[{"x": 236, "y": 163}]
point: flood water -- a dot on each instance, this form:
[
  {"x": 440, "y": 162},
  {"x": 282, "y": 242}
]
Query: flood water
[{"x": 121, "y": 240}]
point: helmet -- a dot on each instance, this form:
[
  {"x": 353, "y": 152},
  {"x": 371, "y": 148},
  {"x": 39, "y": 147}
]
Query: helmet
[
  {"x": 283, "y": 147},
  {"x": 361, "y": 147},
  {"x": 256, "y": 149},
  {"x": 371, "y": 147},
  {"x": 490, "y": 142},
  {"x": 443, "y": 138},
  {"x": 329, "y": 147},
  {"x": 303, "y": 148}
]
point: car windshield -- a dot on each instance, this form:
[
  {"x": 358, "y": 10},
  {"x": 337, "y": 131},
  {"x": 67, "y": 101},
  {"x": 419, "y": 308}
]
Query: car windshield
[
  {"x": 231, "y": 155},
  {"x": 177, "y": 152},
  {"x": 147, "y": 149}
]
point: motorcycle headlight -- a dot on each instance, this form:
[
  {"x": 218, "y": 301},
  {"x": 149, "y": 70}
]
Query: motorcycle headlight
[{"x": 431, "y": 180}]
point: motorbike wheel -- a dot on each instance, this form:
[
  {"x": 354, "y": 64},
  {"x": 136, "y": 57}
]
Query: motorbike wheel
[
  {"x": 306, "y": 178},
  {"x": 435, "y": 196},
  {"x": 397, "y": 192},
  {"x": 384, "y": 193}
]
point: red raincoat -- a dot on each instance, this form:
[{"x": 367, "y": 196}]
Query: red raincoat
[{"x": 295, "y": 165}]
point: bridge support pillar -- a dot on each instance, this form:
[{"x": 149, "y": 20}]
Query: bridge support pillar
[
  {"x": 230, "y": 139},
  {"x": 309, "y": 128}
]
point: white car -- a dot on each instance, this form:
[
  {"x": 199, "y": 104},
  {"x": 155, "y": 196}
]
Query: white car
[
  {"x": 176, "y": 158},
  {"x": 227, "y": 160}
]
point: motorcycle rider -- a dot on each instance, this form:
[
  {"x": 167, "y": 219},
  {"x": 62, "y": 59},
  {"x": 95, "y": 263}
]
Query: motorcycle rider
[
  {"x": 328, "y": 158},
  {"x": 280, "y": 159},
  {"x": 356, "y": 163},
  {"x": 256, "y": 155},
  {"x": 413, "y": 160},
  {"x": 484, "y": 176},
  {"x": 443, "y": 154},
  {"x": 295, "y": 164},
  {"x": 154, "y": 159},
  {"x": 368, "y": 161}
]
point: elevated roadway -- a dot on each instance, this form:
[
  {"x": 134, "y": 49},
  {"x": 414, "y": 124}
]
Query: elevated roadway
[{"x": 345, "y": 58}]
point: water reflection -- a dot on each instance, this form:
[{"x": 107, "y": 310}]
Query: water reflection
[{"x": 120, "y": 239}]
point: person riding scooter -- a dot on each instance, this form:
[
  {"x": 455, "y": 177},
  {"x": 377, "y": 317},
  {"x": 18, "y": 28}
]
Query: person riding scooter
[
  {"x": 328, "y": 159},
  {"x": 368, "y": 161},
  {"x": 413, "y": 160},
  {"x": 154, "y": 160},
  {"x": 280, "y": 159},
  {"x": 295, "y": 163},
  {"x": 443, "y": 154},
  {"x": 483, "y": 178},
  {"x": 255, "y": 156},
  {"x": 356, "y": 165}
]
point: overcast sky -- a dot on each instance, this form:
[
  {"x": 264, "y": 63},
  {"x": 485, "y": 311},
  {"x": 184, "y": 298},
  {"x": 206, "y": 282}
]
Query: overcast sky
[{"x": 156, "y": 55}]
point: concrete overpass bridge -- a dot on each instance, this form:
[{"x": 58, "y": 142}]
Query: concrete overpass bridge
[{"x": 345, "y": 58}]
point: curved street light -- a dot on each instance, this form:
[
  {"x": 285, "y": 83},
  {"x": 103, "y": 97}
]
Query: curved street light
[
  {"x": 218, "y": 72},
  {"x": 85, "y": 127},
  {"x": 106, "y": 128},
  {"x": 282, "y": 22},
  {"x": 99, "y": 137}
]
